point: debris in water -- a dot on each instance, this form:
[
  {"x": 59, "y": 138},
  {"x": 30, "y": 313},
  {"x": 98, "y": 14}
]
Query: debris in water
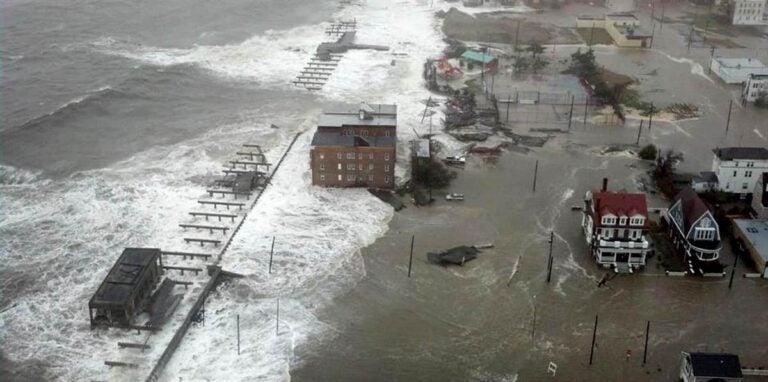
[{"x": 457, "y": 256}]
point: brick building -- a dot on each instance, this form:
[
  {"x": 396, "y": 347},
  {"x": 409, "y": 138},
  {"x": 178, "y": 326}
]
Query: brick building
[{"x": 355, "y": 148}]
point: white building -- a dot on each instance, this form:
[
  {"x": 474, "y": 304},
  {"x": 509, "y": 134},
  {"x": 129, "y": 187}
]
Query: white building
[
  {"x": 748, "y": 12},
  {"x": 736, "y": 70},
  {"x": 739, "y": 168},
  {"x": 755, "y": 85}
]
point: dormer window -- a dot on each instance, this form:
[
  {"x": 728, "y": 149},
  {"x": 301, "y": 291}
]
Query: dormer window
[
  {"x": 623, "y": 220},
  {"x": 636, "y": 221},
  {"x": 609, "y": 220}
]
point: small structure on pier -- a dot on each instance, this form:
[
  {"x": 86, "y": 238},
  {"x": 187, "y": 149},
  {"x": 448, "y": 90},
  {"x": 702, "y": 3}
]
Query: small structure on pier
[{"x": 126, "y": 289}]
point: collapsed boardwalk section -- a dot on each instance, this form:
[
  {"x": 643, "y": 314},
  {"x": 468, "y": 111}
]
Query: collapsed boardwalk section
[{"x": 238, "y": 190}]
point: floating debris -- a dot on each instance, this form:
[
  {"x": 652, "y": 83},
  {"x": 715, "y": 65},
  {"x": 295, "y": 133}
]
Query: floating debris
[{"x": 456, "y": 256}]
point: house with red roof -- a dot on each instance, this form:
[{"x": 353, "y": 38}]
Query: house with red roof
[
  {"x": 694, "y": 232},
  {"x": 615, "y": 227}
]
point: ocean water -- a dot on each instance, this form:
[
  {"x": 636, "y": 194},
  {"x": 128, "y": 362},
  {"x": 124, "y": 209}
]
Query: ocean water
[{"x": 116, "y": 115}]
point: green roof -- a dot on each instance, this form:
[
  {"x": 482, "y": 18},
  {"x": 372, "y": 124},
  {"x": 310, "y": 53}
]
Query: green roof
[{"x": 477, "y": 56}]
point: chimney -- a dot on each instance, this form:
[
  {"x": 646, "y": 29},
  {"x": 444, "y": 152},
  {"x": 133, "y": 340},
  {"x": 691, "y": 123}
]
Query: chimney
[{"x": 605, "y": 184}]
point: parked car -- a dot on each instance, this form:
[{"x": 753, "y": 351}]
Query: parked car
[{"x": 454, "y": 196}]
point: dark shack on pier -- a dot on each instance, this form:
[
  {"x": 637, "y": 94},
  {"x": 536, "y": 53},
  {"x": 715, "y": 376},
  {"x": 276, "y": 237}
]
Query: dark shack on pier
[{"x": 127, "y": 287}]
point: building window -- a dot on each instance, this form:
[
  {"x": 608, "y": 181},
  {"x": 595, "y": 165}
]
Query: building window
[
  {"x": 727, "y": 186},
  {"x": 370, "y": 177},
  {"x": 322, "y": 156},
  {"x": 370, "y": 156},
  {"x": 364, "y": 133},
  {"x": 339, "y": 166},
  {"x": 360, "y": 156},
  {"x": 370, "y": 166},
  {"x": 322, "y": 177},
  {"x": 623, "y": 220},
  {"x": 338, "y": 155},
  {"x": 322, "y": 166},
  {"x": 360, "y": 166},
  {"x": 744, "y": 186},
  {"x": 386, "y": 156},
  {"x": 734, "y": 172},
  {"x": 386, "y": 133},
  {"x": 350, "y": 167},
  {"x": 340, "y": 178},
  {"x": 386, "y": 178},
  {"x": 609, "y": 220},
  {"x": 351, "y": 155},
  {"x": 386, "y": 168},
  {"x": 748, "y": 174},
  {"x": 350, "y": 177}
]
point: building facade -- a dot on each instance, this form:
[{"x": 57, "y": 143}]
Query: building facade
[
  {"x": 748, "y": 12},
  {"x": 760, "y": 197},
  {"x": 624, "y": 29},
  {"x": 755, "y": 86},
  {"x": 615, "y": 226},
  {"x": 694, "y": 232},
  {"x": 739, "y": 168},
  {"x": 752, "y": 237},
  {"x": 356, "y": 148},
  {"x": 736, "y": 70},
  {"x": 710, "y": 367}
]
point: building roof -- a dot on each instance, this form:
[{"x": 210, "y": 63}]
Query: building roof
[
  {"x": 621, "y": 16},
  {"x": 758, "y": 76},
  {"x": 693, "y": 207},
  {"x": 618, "y": 203},
  {"x": 420, "y": 148},
  {"x": 122, "y": 279},
  {"x": 330, "y": 138},
  {"x": 477, "y": 56},
  {"x": 740, "y": 63},
  {"x": 756, "y": 231},
  {"x": 731, "y": 153},
  {"x": 706, "y": 177},
  {"x": 378, "y": 115},
  {"x": 716, "y": 365}
]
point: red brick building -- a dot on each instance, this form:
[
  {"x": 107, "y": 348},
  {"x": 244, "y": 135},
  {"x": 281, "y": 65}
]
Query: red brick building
[{"x": 355, "y": 148}]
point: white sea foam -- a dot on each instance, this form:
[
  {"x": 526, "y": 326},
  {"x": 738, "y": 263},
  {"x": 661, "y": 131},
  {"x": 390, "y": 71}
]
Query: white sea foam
[{"x": 696, "y": 68}]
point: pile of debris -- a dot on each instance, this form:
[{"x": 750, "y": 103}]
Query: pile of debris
[{"x": 460, "y": 111}]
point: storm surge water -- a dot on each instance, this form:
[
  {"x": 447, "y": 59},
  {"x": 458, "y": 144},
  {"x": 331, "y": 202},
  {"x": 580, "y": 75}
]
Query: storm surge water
[{"x": 130, "y": 131}]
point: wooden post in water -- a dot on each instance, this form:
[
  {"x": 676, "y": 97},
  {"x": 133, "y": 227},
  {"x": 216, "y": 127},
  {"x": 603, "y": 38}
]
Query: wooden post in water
[
  {"x": 410, "y": 261},
  {"x": 594, "y": 336},
  {"x": 586, "y": 104},
  {"x": 533, "y": 323},
  {"x": 238, "y": 334},
  {"x": 639, "y": 130},
  {"x": 271, "y": 252},
  {"x": 277, "y": 318},
  {"x": 570, "y": 113},
  {"x": 650, "y": 118},
  {"x": 661, "y": 22},
  {"x": 645, "y": 349},
  {"x": 728, "y": 121},
  {"x": 509, "y": 100},
  {"x": 535, "y": 174}
]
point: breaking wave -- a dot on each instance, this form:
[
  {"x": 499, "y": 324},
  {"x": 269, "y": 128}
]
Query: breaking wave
[
  {"x": 72, "y": 106},
  {"x": 10, "y": 175}
]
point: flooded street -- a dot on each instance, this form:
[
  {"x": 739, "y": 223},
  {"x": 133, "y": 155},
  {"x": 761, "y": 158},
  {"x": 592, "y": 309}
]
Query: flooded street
[{"x": 497, "y": 318}]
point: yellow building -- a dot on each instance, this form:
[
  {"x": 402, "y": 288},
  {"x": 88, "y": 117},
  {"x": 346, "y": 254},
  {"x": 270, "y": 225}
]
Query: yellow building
[{"x": 623, "y": 28}]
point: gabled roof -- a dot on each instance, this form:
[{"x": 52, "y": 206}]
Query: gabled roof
[
  {"x": 619, "y": 203},
  {"x": 693, "y": 207},
  {"x": 716, "y": 365},
  {"x": 731, "y": 153}
]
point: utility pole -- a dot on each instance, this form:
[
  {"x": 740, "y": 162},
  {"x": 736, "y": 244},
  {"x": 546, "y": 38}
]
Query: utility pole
[
  {"x": 533, "y": 323},
  {"x": 594, "y": 337},
  {"x": 645, "y": 349},
  {"x": 238, "y": 334},
  {"x": 410, "y": 261},
  {"x": 277, "y": 318},
  {"x": 650, "y": 118},
  {"x": 570, "y": 113},
  {"x": 509, "y": 100},
  {"x": 728, "y": 121},
  {"x": 711, "y": 57},
  {"x": 586, "y": 104},
  {"x": 271, "y": 252},
  {"x": 549, "y": 262},
  {"x": 733, "y": 271},
  {"x": 591, "y": 34},
  {"x": 661, "y": 22},
  {"x": 535, "y": 174},
  {"x": 639, "y": 130}
]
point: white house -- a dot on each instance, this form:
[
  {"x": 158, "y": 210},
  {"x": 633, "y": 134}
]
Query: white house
[
  {"x": 760, "y": 197},
  {"x": 755, "y": 85},
  {"x": 736, "y": 70},
  {"x": 709, "y": 367},
  {"x": 694, "y": 232},
  {"x": 748, "y": 12},
  {"x": 615, "y": 226},
  {"x": 738, "y": 168}
]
